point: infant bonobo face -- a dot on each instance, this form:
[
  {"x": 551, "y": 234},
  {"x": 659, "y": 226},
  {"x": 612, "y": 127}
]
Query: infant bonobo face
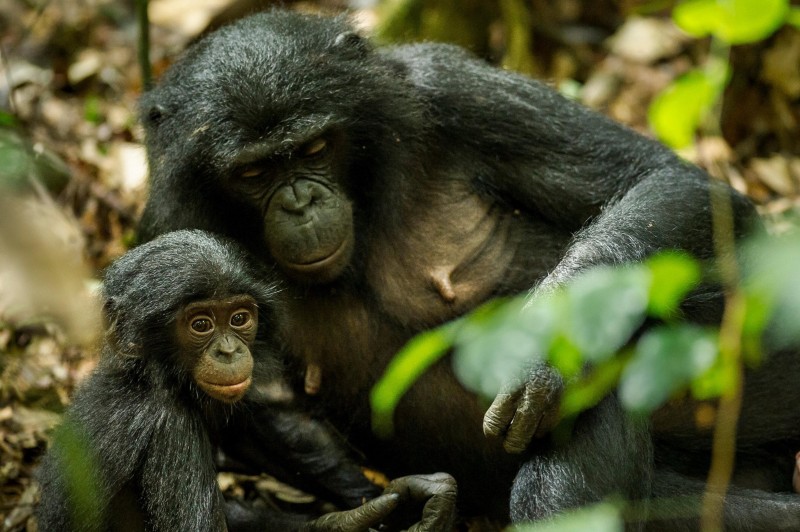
[{"x": 215, "y": 337}]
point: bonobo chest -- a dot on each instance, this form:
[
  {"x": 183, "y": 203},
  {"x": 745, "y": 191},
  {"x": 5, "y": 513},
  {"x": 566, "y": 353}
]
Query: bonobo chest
[{"x": 452, "y": 250}]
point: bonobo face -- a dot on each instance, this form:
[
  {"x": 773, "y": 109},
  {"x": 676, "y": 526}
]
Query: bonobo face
[
  {"x": 307, "y": 218},
  {"x": 214, "y": 338},
  {"x": 266, "y": 130}
]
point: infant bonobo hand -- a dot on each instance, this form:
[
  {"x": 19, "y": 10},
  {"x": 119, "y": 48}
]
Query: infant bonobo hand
[
  {"x": 417, "y": 503},
  {"x": 525, "y": 408}
]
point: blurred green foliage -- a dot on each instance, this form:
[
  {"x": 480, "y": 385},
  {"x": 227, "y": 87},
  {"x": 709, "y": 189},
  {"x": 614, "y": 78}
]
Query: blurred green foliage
[
  {"x": 684, "y": 106},
  {"x": 80, "y": 474},
  {"x": 588, "y": 330},
  {"x": 599, "y": 518}
]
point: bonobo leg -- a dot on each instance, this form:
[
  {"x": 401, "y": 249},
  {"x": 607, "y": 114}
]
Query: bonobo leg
[
  {"x": 677, "y": 502},
  {"x": 608, "y": 454}
]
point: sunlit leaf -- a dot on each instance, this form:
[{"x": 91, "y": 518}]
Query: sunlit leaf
[
  {"x": 677, "y": 111},
  {"x": 405, "y": 368},
  {"x": 673, "y": 276},
  {"x": 603, "y": 517},
  {"x": 606, "y": 306},
  {"x": 565, "y": 356},
  {"x": 714, "y": 382},
  {"x": 733, "y": 21},
  {"x": 585, "y": 393},
  {"x": 666, "y": 359}
]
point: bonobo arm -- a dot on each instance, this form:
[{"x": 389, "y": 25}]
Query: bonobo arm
[
  {"x": 624, "y": 196},
  {"x": 179, "y": 480},
  {"x": 287, "y": 442},
  {"x": 298, "y": 449},
  {"x": 137, "y": 437}
]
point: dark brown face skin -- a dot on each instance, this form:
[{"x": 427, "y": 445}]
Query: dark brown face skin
[
  {"x": 308, "y": 217},
  {"x": 215, "y": 337}
]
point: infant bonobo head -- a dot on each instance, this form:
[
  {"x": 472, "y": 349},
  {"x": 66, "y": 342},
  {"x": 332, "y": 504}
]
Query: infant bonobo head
[
  {"x": 190, "y": 303},
  {"x": 214, "y": 339}
]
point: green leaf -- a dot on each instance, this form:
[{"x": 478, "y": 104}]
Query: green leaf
[
  {"x": 772, "y": 281},
  {"x": 603, "y": 517},
  {"x": 678, "y": 110},
  {"x": 585, "y": 393},
  {"x": 793, "y": 17},
  {"x": 418, "y": 355},
  {"x": 606, "y": 306},
  {"x": 496, "y": 345},
  {"x": 733, "y": 21},
  {"x": 673, "y": 275},
  {"x": 714, "y": 382},
  {"x": 565, "y": 357},
  {"x": 665, "y": 360}
]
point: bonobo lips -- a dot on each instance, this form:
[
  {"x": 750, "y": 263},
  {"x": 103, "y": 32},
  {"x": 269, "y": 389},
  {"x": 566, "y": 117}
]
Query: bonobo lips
[
  {"x": 227, "y": 392},
  {"x": 320, "y": 263},
  {"x": 326, "y": 268}
]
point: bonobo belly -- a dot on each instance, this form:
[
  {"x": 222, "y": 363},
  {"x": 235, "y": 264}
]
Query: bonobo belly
[
  {"x": 439, "y": 427},
  {"x": 456, "y": 250}
]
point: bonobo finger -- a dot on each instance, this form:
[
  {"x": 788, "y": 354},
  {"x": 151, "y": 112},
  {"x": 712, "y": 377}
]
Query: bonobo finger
[
  {"x": 438, "y": 490},
  {"x": 422, "y": 487},
  {"x": 364, "y": 517},
  {"x": 525, "y": 423},
  {"x": 498, "y": 417}
]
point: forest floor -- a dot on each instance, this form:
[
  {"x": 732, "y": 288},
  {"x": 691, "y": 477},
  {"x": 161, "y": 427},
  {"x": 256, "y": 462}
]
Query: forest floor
[{"x": 73, "y": 169}]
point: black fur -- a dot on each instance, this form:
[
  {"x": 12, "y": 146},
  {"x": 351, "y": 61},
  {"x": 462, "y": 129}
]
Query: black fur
[
  {"x": 439, "y": 146},
  {"x": 148, "y": 433}
]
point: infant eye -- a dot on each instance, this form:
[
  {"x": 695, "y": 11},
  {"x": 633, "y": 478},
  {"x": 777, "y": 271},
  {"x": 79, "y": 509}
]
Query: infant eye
[
  {"x": 315, "y": 147},
  {"x": 202, "y": 325},
  {"x": 240, "y": 319}
]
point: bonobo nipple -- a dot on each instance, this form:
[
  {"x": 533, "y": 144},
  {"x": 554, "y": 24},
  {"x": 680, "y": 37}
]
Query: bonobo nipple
[{"x": 440, "y": 280}]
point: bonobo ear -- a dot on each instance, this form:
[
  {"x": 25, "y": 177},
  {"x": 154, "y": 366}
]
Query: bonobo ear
[
  {"x": 154, "y": 113},
  {"x": 117, "y": 329},
  {"x": 110, "y": 311},
  {"x": 351, "y": 42}
]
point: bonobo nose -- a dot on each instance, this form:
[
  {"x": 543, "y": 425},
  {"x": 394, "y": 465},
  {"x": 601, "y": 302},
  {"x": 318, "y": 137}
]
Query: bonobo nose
[
  {"x": 227, "y": 347},
  {"x": 297, "y": 197}
]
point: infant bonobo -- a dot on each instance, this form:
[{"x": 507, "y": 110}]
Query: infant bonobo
[{"x": 189, "y": 364}]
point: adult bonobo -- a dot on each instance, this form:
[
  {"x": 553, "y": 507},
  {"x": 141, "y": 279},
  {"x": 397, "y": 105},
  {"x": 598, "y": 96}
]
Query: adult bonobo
[
  {"x": 399, "y": 188},
  {"x": 191, "y": 362}
]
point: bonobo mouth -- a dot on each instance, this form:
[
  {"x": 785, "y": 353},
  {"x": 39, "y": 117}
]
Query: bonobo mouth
[
  {"x": 228, "y": 393},
  {"x": 324, "y": 269}
]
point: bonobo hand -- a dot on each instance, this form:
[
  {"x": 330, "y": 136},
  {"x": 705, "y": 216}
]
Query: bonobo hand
[
  {"x": 434, "y": 494},
  {"x": 368, "y": 515},
  {"x": 401, "y": 502},
  {"x": 524, "y": 409}
]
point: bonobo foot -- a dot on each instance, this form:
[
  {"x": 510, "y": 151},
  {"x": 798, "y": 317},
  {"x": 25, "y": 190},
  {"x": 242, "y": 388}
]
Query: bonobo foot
[{"x": 524, "y": 409}]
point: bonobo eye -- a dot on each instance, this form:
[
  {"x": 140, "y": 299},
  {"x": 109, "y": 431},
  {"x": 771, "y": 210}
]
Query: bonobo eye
[
  {"x": 315, "y": 147},
  {"x": 240, "y": 319},
  {"x": 202, "y": 325},
  {"x": 251, "y": 172}
]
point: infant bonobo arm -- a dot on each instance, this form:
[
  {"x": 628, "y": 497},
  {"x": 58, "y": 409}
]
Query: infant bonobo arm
[{"x": 288, "y": 442}]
